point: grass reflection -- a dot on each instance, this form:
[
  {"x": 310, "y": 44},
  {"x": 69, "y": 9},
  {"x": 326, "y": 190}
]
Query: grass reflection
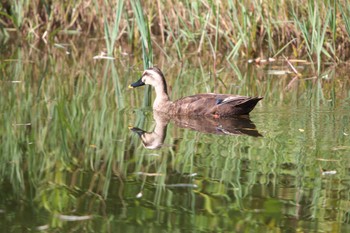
[{"x": 66, "y": 149}]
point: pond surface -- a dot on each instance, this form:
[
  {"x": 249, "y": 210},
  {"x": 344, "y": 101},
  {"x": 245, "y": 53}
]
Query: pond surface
[{"x": 72, "y": 158}]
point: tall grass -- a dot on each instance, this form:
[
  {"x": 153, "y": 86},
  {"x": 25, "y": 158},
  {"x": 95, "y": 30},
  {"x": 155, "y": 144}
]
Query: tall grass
[
  {"x": 345, "y": 11},
  {"x": 146, "y": 42},
  {"x": 263, "y": 28},
  {"x": 66, "y": 149},
  {"x": 314, "y": 29},
  {"x": 111, "y": 31},
  {"x": 144, "y": 29}
]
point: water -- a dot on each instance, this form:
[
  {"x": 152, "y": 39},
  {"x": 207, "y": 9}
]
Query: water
[{"x": 70, "y": 160}]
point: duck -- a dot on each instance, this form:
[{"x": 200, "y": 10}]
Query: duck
[{"x": 206, "y": 104}]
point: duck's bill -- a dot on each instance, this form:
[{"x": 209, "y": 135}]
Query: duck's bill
[
  {"x": 137, "y": 130},
  {"x": 137, "y": 84}
]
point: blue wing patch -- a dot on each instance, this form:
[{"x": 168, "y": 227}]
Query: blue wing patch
[{"x": 219, "y": 101}]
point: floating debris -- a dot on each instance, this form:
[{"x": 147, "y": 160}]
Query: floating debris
[
  {"x": 22, "y": 124},
  {"x": 341, "y": 148},
  {"x": 279, "y": 72},
  {"x": 43, "y": 227},
  {"x": 328, "y": 160},
  {"x": 181, "y": 186},
  {"x": 301, "y": 130},
  {"x": 329, "y": 173},
  {"x": 149, "y": 174},
  {"x": 139, "y": 195},
  {"x": 192, "y": 174},
  {"x": 261, "y": 60},
  {"x": 103, "y": 55},
  {"x": 298, "y": 60},
  {"x": 73, "y": 217},
  {"x": 11, "y": 81}
]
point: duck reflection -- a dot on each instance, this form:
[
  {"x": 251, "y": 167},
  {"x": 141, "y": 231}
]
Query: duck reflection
[{"x": 240, "y": 125}]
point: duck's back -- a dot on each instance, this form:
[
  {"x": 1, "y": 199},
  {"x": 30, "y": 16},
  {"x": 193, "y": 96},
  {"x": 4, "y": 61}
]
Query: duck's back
[{"x": 222, "y": 105}]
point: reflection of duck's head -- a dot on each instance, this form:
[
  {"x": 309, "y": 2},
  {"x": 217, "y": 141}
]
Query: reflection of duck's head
[
  {"x": 153, "y": 140},
  {"x": 217, "y": 105},
  {"x": 149, "y": 140}
]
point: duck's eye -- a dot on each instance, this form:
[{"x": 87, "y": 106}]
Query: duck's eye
[{"x": 219, "y": 101}]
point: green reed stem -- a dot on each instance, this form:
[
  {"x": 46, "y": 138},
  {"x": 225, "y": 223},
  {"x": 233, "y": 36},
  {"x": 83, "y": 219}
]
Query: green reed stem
[
  {"x": 146, "y": 41},
  {"x": 345, "y": 11},
  {"x": 112, "y": 34}
]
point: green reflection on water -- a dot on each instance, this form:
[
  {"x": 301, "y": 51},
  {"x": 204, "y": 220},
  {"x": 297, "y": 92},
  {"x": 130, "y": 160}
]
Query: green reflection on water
[{"x": 67, "y": 151}]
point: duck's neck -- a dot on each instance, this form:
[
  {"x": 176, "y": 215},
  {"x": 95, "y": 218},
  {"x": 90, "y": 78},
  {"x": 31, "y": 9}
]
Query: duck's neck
[
  {"x": 162, "y": 101},
  {"x": 156, "y": 139}
]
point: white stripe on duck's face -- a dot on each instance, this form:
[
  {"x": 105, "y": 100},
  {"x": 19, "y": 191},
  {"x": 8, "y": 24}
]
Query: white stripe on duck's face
[{"x": 153, "y": 77}]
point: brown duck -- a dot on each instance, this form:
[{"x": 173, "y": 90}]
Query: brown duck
[{"x": 216, "y": 105}]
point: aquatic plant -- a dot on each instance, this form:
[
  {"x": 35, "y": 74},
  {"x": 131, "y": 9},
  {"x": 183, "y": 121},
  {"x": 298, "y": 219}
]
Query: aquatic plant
[{"x": 313, "y": 29}]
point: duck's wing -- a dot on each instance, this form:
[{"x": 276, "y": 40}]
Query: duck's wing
[
  {"x": 214, "y": 104},
  {"x": 236, "y": 105},
  {"x": 200, "y": 104}
]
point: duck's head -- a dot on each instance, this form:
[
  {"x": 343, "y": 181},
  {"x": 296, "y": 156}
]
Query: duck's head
[{"x": 152, "y": 76}]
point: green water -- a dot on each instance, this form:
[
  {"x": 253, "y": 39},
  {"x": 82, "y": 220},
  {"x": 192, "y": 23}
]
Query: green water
[{"x": 70, "y": 163}]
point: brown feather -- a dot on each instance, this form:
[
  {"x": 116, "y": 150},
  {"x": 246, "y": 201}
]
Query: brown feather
[
  {"x": 218, "y": 105},
  {"x": 207, "y": 104}
]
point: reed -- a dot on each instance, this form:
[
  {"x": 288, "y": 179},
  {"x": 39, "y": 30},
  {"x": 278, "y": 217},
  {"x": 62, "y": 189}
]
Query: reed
[
  {"x": 314, "y": 31},
  {"x": 112, "y": 31},
  {"x": 146, "y": 43},
  {"x": 66, "y": 148},
  {"x": 262, "y": 28},
  {"x": 345, "y": 11}
]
